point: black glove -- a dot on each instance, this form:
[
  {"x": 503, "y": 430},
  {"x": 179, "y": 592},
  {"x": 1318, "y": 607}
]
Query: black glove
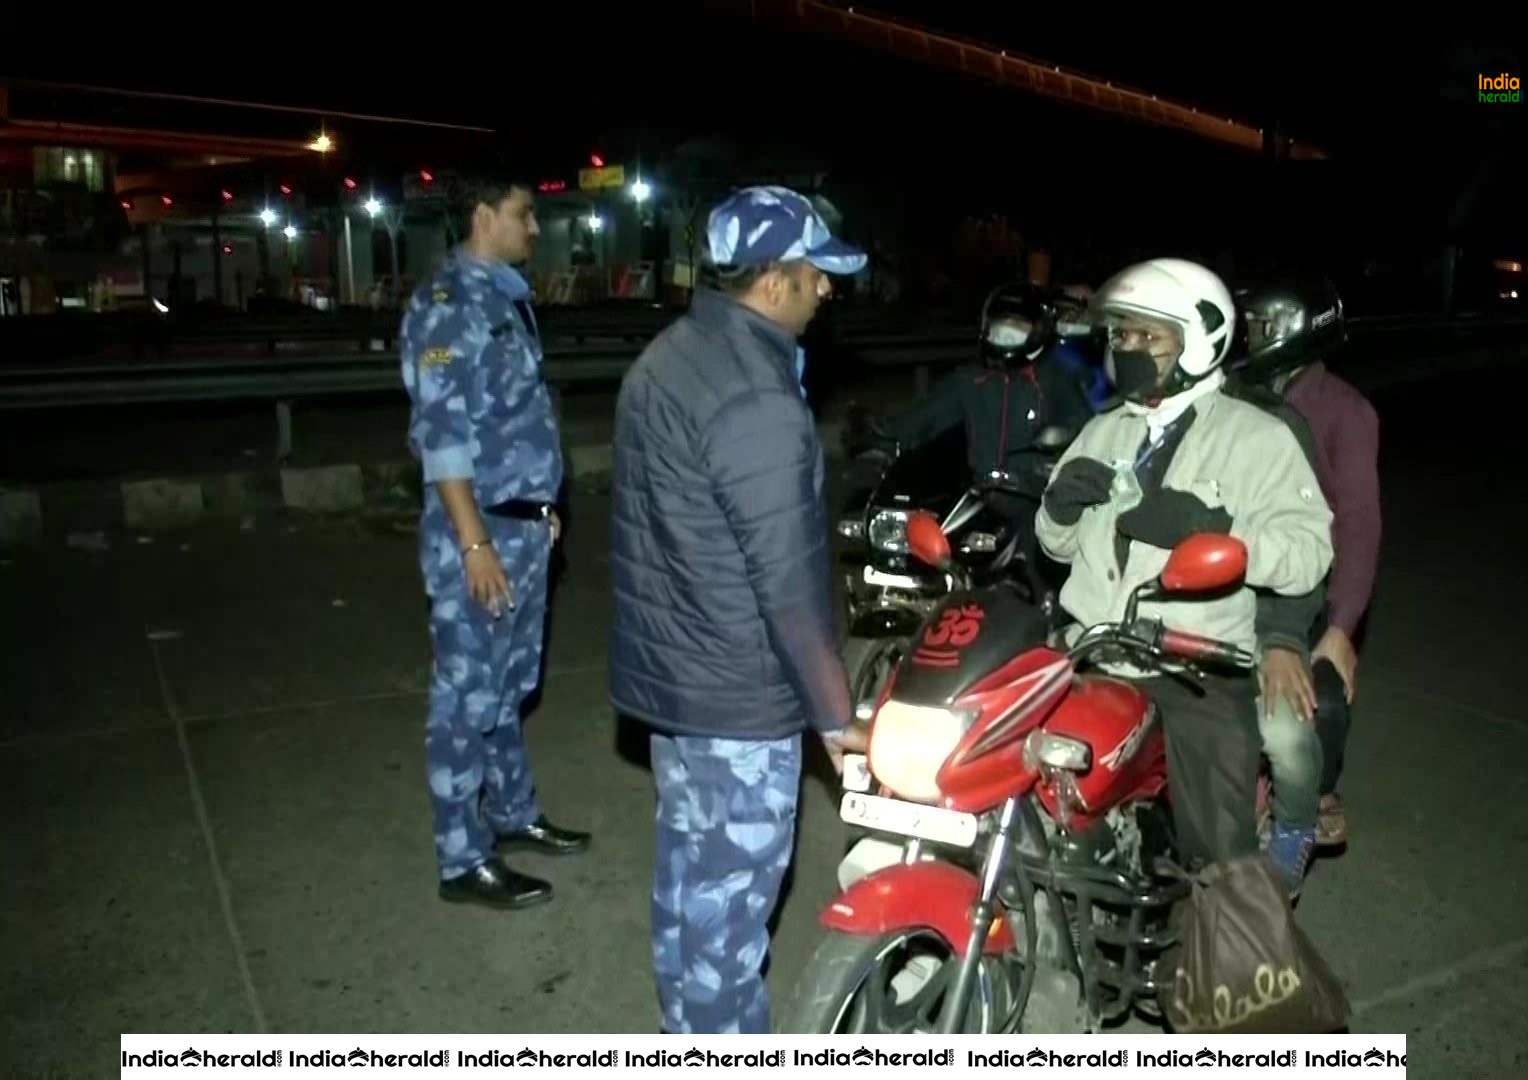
[
  {"x": 1170, "y": 516},
  {"x": 1077, "y": 485}
]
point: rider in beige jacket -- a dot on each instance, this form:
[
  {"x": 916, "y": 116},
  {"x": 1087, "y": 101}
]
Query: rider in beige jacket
[
  {"x": 1234, "y": 457},
  {"x": 1178, "y": 457}
]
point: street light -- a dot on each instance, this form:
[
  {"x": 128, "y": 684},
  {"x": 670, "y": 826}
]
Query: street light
[
  {"x": 373, "y": 207},
  {"x": 641, "y": 190},
  {"x": 596, "y": 223},
  {"x": 290, "y": 232},
  {"x": 323, "y": 144},
  {"x": 267, "y": 217}
]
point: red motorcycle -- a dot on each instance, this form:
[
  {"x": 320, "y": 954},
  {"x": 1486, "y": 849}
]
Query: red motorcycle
[{"x": 1028, "y": 803}]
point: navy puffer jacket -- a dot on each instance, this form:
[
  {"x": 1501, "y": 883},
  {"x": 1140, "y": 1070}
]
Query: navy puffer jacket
[{"x": 719, "y": 541}]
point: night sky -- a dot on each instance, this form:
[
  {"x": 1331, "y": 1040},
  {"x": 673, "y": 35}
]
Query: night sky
[
  {"x": 1394, "y": 106},
  {"x": 549, "y": 67}
]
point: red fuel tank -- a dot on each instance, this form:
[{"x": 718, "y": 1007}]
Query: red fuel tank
[{"x": 1120, "y": 723}]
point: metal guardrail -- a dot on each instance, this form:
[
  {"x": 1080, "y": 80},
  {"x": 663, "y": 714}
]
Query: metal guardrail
[
  {"x": 277, "y": 378},
  {"x": 145, "y": 337},
  {"x": 283, "y": 378}
]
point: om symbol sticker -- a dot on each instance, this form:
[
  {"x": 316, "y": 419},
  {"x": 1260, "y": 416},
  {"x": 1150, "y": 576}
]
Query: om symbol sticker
[{"x": 957, "y": 627}]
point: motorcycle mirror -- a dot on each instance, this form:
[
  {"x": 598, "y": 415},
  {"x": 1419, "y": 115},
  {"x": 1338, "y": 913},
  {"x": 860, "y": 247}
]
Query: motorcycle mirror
[
  {"x": 1205, "y": 562},
  {"x": 1054, "y": 437},
  {"x": 926, "y": 540}
]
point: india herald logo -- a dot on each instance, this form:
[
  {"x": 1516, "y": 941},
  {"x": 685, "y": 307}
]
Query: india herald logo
[{"x": 957, "y": 627}]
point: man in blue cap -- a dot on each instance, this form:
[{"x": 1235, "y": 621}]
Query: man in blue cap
[{"x": 723, "y": 638}]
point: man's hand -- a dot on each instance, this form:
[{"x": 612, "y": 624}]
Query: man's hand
[
  {"x": 851, "y": 739},
  {"x": 556, "y": 523},
  {"x": 486, "y": 581},
  {"x": 1336, "y": 646},
  {"x": 1284, "y": 674},
  {"x": 1077, "y": 485},
  {"x": 1170, "y": 516}
]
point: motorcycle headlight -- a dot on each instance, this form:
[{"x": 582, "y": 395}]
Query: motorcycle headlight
[
  {"x": 888, "y": 531},
  {"x": 908, "y": 745},
  {"x": 1057, "y": 752},
  {"x": 851, "y": 528}
]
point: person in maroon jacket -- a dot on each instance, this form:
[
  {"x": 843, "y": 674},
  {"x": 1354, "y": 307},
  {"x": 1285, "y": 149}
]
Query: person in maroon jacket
[{"x": 1292, "y": 327}]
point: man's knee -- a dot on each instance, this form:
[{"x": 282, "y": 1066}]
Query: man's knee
[{"x": 1291, "y": 744}]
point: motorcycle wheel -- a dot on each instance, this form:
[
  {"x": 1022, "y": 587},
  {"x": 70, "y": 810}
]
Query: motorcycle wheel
[
  {"x": 868, "y": 662},
  {"x": 891, "y": 984}
]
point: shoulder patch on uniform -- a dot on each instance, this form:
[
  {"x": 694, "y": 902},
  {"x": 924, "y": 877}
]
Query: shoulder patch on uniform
[{"x": 435, "y": 358}]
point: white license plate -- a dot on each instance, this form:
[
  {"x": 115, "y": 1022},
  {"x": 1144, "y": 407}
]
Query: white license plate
[
  {"x": 890, "y": 581},
  {"x": 856, "y": 773},
  {"x": 908, "y": 819}
]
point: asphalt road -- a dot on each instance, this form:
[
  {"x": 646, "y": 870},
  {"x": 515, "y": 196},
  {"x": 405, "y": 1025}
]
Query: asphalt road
[{"x": 215, "y": 815}]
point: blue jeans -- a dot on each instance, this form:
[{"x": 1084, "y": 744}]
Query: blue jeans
[{"x": 1293, "y": 749}]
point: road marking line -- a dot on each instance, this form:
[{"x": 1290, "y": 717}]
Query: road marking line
[
  {"x": 1493, "y": 956},
  {"x": 199, "y": 804},
  {"x": 301, "y": 706},
  {"x": 384, "y": 695},
  {"x": 48, "y": 738},
  {"x": 1431, "y": 695}
]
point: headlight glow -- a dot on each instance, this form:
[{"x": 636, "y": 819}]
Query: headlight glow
[
  {"x": 909, "y": 744},
  {"x": 888, "y": 531}
]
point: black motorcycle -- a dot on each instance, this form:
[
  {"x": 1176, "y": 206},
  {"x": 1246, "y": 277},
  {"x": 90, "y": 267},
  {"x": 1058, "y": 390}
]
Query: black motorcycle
[{"x": 888, "y": 592}]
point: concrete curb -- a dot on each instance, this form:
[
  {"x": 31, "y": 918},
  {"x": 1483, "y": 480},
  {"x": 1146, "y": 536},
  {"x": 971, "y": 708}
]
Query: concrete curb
[{"x": 52, "y": 511}]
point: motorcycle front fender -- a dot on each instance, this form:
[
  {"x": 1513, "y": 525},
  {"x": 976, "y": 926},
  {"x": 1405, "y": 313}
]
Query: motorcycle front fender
[
  {"x": 931, "y": 895},
  {"x": 887, "y": 622}
]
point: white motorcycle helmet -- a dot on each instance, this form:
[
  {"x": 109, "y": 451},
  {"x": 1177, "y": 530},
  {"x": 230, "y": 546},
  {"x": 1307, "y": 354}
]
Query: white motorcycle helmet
[{"x": 1179, "y": 292}]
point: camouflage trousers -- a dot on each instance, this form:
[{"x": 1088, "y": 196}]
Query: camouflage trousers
[
  {"x": 726, "y": 831},
  {"x": 484, "y": 668}
]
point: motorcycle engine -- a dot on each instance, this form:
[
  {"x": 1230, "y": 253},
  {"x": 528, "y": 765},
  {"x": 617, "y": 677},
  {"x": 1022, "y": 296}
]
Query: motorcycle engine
[{"x": 1128, "y": 839}]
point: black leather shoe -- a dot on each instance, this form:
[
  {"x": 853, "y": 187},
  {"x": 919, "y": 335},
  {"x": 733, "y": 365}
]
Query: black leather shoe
[
  {"x": 493, "y": 884},
  {"x": 546, "y": 838}
]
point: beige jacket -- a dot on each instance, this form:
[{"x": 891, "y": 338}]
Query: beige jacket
[{"x": 1234, "y": 455}]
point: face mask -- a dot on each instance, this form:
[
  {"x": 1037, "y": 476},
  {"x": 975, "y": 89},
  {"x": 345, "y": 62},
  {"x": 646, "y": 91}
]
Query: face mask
[
  {"x": 1135, "y": 372},
  {"x": 1007, "y": 337}
]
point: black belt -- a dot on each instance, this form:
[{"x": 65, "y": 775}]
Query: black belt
[{"x": 520, "y": 510}]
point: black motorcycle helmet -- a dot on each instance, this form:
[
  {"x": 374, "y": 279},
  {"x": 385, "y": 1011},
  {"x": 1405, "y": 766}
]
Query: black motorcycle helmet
[
  {"x": 1287, "y": 324},
  {"x": 1018, "y": 324}
]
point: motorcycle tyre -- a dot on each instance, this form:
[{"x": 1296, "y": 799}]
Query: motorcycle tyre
[
  {"x": 858, "y": 654},
  {"x": 840, "y": 964}
]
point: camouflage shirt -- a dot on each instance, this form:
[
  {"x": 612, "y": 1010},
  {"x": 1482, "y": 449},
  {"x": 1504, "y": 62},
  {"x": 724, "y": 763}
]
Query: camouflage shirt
[{"x": 481, "y": 410}]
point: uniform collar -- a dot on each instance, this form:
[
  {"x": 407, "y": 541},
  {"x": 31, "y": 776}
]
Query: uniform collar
[{"x": 505, "y": 278}]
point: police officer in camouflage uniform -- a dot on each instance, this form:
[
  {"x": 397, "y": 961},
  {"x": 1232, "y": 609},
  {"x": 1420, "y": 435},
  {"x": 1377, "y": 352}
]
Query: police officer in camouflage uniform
[
  {"x": 723, "y": 635},
  {"x": 483, "y": 429}
]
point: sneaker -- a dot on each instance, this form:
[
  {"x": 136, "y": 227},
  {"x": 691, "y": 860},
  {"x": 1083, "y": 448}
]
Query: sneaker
[
  {"x": 1290, "y": 850},
  {"x": 1332, "y": 824}
]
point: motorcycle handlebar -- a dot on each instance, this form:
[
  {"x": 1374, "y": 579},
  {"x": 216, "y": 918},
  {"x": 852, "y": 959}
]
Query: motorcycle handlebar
[
  {"x": 1158, "y": 640},
  {"x": 1193, "y": 647}
]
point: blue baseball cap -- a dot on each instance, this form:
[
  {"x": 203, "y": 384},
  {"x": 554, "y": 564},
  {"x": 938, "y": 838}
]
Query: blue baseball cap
[{"x": 760, "y": 225}]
